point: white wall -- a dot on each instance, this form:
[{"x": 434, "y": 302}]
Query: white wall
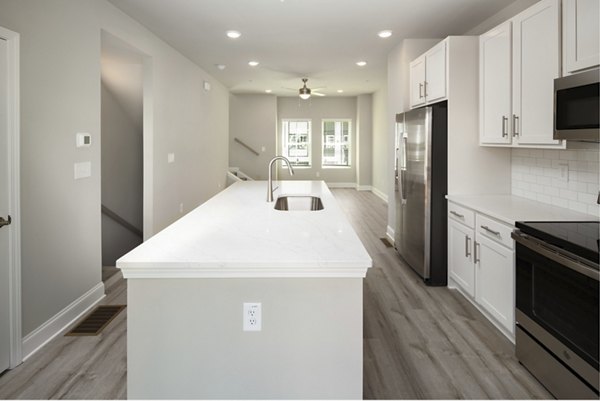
[
  {"x": 317, "y": 109},
  {"x": 60, "y": 95},
  {"x": 536, "y": 175},
  {"x": 252, "y": 119},
  {"x": 122, "y": 177}
]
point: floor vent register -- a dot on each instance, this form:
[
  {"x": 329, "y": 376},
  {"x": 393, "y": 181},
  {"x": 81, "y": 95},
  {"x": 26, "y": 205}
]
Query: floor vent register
[{"x": 96, "y": 321}]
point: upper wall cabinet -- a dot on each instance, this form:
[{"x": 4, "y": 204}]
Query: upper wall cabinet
[
  {"x": 581, "y": 35},
  {"x": 519, "y": 61},
  {"x": 428, "y": 77}
]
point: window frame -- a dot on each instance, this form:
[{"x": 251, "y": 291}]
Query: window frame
[
  {"x": 285, "y": 137},
  {"x": 349, "y": 143}
]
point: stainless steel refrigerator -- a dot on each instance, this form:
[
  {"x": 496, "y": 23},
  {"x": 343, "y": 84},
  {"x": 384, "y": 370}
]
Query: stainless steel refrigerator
[{"x": 421, "y": 184}]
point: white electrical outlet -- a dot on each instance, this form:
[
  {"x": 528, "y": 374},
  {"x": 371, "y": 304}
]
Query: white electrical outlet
[
  {"x": 318, "y": 174},
  {"x": 171, "y": 158},
  {"x": 252, "y": 316},
  {"x": 181, "y": 208}
]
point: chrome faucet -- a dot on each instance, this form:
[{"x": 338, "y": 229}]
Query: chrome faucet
[{"x": 270, "y": 182}]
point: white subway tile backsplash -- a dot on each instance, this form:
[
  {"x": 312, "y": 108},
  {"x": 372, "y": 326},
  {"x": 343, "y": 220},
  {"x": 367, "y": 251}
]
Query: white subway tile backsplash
[{"x": 536, "y": 174}]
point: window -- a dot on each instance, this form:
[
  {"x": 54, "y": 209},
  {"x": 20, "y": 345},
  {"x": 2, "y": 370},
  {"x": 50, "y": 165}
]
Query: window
[
  {"x": 296, "y": 141},
  {"x": 336, "y": 143}
]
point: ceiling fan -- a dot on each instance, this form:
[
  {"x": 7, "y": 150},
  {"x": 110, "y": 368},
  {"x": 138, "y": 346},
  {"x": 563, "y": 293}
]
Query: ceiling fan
[{"x": 305, "y": 92}]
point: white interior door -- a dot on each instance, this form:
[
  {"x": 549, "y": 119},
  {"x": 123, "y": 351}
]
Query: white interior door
[{"x": 4, "y": 201}]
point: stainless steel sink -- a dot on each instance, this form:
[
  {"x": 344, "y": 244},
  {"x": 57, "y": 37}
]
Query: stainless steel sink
[{"x": 299, "y": 203}]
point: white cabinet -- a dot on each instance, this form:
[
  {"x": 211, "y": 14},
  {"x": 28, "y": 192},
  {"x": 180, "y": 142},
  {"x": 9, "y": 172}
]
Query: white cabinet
[
  {"x": 495, "y": 280},
  {"x": 495, "y": 84},
  {"x": 460, "y": 259},
  {"x": 428, "y": 76},
  {"x": 481, "y": 264},
  {"x": 581, "y": 35},
  {"x": 417, "y": 82},
  {"x": 518, "y": 63}
]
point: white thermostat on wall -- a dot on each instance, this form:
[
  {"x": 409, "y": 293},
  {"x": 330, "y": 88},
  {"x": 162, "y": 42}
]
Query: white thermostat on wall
[
  {"x": 83, "y": 140},
  {"x": 206, "y": 86}
]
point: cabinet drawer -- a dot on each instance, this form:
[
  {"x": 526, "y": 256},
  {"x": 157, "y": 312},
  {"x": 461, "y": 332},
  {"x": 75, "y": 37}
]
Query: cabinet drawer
[
  {"x": 459, "y": 213},
  {"x": 495, "y": 231}
]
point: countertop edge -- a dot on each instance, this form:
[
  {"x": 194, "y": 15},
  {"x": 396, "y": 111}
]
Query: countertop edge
[{"x": 470, "y": 202}]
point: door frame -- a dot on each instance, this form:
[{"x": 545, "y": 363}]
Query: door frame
[{"x": 16, "y": 338}]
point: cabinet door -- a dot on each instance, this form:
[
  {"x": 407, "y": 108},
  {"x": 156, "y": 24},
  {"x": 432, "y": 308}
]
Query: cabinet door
[
  {"x": 536, "y": 63},
  {"x": 495, "y": 85},
  {"x": 417, "y": 82},
  {"x": 460, "y": 256},
  {"x": 581, "y": 34},
  {"x": 435, "y": 73},
  {"x": 495, "y": 281}
]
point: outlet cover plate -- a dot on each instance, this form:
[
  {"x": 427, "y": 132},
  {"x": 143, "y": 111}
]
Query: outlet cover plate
[{"x": 252, "y": 317}]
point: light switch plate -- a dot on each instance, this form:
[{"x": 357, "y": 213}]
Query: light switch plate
[
  {"x": 206, "y": 86},
  {"x": 171, "y": 158},
  {"x": 82, "y": 170}
]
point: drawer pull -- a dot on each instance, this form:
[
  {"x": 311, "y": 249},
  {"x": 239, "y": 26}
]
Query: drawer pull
[
  {"x": 457, "y": 214},
  {"x": 489, "y": 230}
]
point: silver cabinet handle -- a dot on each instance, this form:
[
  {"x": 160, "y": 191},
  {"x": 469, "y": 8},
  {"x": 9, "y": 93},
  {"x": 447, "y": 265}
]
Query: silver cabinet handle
[
  {"x": 457, "y": 214},
  {"x": 5, "y": 222},
  {"x": 489, "y": 230},
  {"x": 420, "y": 90},
  {"x": 467, "y": 251},
  {"x": 403, "y": 188},
  {"x": 475, "y": 257},
  {"x": 515, "y": 120},
  {"x": 504, "y": 123}
]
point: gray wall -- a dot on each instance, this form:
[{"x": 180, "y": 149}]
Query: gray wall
[
  {"x": 60, "y": 96},
  {"x": 252, "y": 119},
  {"x": 122, "y": 177},
  {"x": 364, "y": 150},
  {"x": 317, "y": 109},
  {"x": 380, "y": 151}
]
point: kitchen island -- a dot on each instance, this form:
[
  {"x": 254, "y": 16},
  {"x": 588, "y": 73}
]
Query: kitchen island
[{"x": 187, "y": 286}]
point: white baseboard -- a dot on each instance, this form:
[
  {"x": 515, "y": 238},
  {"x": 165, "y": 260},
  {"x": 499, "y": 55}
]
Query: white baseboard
[
  {"x": 380, "y": 194},
  {"x": 59, "y": 322},
  {"x": 364, "y": 188},
  {"x": 390, "y": 234},
  {"x": 341, "y": 184}
]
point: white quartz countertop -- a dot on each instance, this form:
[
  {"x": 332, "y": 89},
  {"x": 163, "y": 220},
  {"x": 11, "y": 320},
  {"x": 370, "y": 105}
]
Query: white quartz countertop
[
  {"x": 510, "y": 208},
  {"x": 238, "y": 234}
]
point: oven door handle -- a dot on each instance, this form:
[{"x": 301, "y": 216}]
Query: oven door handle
[{"x": 556, "y": 254}]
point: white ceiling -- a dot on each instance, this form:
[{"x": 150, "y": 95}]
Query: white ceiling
[{"x": 318, "y": 39}]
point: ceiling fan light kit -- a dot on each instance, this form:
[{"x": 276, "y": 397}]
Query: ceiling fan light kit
[{"x": 304, "y": 91}]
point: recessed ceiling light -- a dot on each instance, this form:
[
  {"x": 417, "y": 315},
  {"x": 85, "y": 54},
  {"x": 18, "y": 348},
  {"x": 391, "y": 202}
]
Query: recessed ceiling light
[
  {"x": 361, "y": 63},
  {"x": 385, "y": 34},
  {"x": 340, "y": 91},
  {"x": 233, "y": 34},
  {"x": 268, "y": 90},
  {"x": 253, "y": 63},
  {"x": 221, "y": 66}
]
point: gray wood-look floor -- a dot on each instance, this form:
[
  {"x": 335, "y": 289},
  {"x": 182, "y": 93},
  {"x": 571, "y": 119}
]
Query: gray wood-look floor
[{"x": 420, "y": 342}]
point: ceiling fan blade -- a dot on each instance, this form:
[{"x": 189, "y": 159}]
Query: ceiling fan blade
[{"x": 318, "y": 94}]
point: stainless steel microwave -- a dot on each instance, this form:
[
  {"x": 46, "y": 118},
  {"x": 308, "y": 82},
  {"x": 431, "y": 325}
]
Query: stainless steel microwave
[{"x": 577, "y": 107}]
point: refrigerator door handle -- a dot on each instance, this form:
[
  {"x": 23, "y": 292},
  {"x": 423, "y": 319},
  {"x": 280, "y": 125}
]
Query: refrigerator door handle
[{"x": 403, "y": 168}]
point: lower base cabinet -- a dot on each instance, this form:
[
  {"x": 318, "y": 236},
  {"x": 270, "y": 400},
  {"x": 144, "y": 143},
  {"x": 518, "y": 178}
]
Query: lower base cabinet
[
  {"x": 495, "y": 281},
  {"x": 481, "y": 265}
]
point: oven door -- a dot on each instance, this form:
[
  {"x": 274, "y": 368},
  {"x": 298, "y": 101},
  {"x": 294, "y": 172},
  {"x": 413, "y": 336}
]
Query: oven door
[{"x": 557, "y": 303}]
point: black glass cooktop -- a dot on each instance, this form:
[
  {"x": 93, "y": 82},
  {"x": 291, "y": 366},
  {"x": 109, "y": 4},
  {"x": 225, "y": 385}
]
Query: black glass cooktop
[{"x": 581, "y": 238}]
